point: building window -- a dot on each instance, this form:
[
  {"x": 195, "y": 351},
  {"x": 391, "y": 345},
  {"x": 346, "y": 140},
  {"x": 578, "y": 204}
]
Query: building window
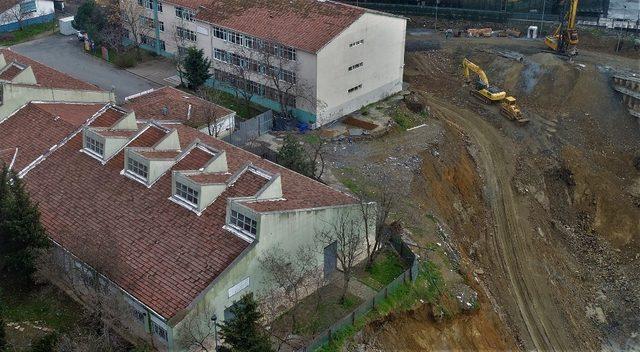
[
  {"x": 94, "y": 145},
  {"x": 159, "y": 330},
  {"x": 138, "y": 315},
  {"x": 351, "y": 90},
  {"x": 186, "y": 34},
  {"x": 187, "y": 193},
  {"x": 243, "y": 222},
  {"x": 28, "y": 7},
  {"x": 148, "y": 22},
  {"x": 220, "y": 55},
  {"x": 137, "y": 168},
  {"x": 161, "y": 26},
  {"x": 182, "y": 51},
  {"x": 361, "y": 41},
  {"x": 152, "y": 42},
  {"x": 358, "y": 65},
  {"x": 289, "y": 53},
  {"x": 219, "y": 33},
  {"x": 185, "y": 14},
  {"x": 149, "y": 4}
]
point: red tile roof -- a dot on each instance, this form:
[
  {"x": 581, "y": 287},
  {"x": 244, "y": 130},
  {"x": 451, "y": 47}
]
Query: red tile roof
[
  {"x": 10, "y": 73},
  {"x": 304, "y": 24},
  {"x": 192, "y": 4},
  {"x": 47, "y": 76},
  {"x": 150, "y": 106},
  {"x": 35, "y": 128},
  {"x": 160, "y": 252}
]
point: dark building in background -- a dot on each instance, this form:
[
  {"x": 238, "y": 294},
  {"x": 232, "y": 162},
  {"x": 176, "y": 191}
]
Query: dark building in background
[{"x": 486, "y": 9}]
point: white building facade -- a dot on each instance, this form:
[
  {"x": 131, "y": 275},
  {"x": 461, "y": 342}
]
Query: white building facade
[{"x": 331, "y": 58}]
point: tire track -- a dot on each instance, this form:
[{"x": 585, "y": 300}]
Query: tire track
[{"x": 540, "y": 321}]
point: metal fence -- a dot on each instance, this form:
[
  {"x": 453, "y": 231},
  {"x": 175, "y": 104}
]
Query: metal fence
[
  {"x": 409, "y": 275},
  {"x": 248, "y": 130}
]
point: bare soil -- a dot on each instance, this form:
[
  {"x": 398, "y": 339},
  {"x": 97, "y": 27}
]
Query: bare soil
[{"x": 545, "y": 216}]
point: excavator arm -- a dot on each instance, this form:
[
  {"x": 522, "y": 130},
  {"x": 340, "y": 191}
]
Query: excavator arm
[
  {"x": 470, "y": 66},
  {"x": 565, "y": 38}
]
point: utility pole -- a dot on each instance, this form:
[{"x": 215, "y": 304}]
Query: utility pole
[
  {"x": 544, "y": 3},
  {"x": 435, "y": 27}
]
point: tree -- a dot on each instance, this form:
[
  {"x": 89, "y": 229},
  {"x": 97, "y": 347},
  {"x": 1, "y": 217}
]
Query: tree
[
  {"x": 135, "y": 19},
  {"x": 198, "y": 331},
  {"x": 195, "y": 68},
  {"x": 22, "y": 236},
  {"x": 346, "y": 232},
  {"x": 243, "y": 332},
  {"x": 208, "y": 112},
  {"x": 90, "y": 18},
  {"x": 376, "y": 213},
  {"x": 287, "y": 275},
  {"x": 3, "y": 336},
  {"x": 293, "y": 156}
]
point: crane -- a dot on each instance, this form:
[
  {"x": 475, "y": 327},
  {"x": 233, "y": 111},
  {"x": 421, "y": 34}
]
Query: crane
[
  {"x": 564, "y": 39},
  {"x": 491, "y": 94}
]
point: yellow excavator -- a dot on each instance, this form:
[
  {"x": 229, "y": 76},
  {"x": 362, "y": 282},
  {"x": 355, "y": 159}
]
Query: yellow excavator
[
  {"x": 491, "y": 94},
  {"x": 564, "y": 39}
]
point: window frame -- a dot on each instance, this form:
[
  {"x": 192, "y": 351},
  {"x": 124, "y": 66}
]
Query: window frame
[
  {"x": 134, "y": 165},
  {"x": 159, "y": 330},
  {"x": 94, "y": 146},
  {"x": 243, "y": 223},
  {"x": 195, "y": 194}
]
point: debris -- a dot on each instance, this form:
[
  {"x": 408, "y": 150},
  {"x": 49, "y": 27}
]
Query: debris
[
  {"x": 366, "y": 125},
  {"x": 416, "y": 127},
  {"x": 479, "y": 32}
]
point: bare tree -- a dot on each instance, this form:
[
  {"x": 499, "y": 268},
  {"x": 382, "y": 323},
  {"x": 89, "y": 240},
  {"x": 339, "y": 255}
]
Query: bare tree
[
  {"x": 105, "y": 309},
  {"x": 136, "y": 20},
  {"x": 198, "y": 330},
  {"x": 17, "y": 14},
  {"x": 375, "y": 213},
  {"x": 181, "y": 43},
  {"x": 316, "y": 154},
  {"x": 288, "y": 276},
  {"x": 346, "y": 232},
  {"x": 208, "y": 113}
]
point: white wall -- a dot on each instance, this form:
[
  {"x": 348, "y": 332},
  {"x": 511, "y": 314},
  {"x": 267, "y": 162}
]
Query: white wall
[
  {"x": 42, "y": 8},
  {"x": 382, "y": 55}
]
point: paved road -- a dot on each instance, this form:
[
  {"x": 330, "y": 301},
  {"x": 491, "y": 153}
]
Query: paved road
[{"x": 65, "y": 54}]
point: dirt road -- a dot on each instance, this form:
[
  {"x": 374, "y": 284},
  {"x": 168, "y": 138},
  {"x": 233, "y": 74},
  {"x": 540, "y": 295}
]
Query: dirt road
[{"x": 513, "y": 251}]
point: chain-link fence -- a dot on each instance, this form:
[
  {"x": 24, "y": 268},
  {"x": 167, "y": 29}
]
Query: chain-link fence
[{"x": 409, "y": 275}]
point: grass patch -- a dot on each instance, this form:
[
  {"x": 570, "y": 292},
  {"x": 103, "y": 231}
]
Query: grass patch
[
  {"x": 238, "y": 105},
  {"x": 429, "y": 286},
  {"x": 27, "y": 33},
  {"x": 385, "y": 268},
  {"x": 406, "y": 119},
  {"x": 313, "y": 317},
  {"x": 43, "y": 306}
]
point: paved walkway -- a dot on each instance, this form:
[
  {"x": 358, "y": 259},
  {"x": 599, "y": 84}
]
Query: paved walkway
[
  {"x": 66, "y": 54},
  {"x": 161, "y": 71}
]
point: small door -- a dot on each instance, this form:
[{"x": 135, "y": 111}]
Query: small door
[{"x": 330, "y": 259}]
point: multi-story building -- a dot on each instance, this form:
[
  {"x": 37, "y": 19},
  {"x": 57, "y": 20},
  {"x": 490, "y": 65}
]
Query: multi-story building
[
  {"x": 138, "y": 206},
  {"x": 317, "y": 60}
]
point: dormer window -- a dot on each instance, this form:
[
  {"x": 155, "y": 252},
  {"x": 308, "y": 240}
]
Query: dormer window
[
  {"x": 187, "y": 193},
  {"x": 243, "y": 222},
  {"x": 94, "y": 145},
  {"x": 137, "y": 168}
]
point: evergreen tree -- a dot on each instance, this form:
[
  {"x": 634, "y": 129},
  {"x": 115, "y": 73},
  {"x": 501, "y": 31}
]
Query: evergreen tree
[
  {"x": 292, "y": 156},
  {"x": 243, "y": 332},
  {"x": 21, "y": 233},
  {"x": 3, "y": 334},
  {"x": 90, "y": 18},
  {"x": 195, "y": 68}
]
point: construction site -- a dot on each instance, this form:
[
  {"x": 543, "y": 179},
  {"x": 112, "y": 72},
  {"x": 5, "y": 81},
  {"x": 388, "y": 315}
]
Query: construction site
[{"x": 521, "y": 180}]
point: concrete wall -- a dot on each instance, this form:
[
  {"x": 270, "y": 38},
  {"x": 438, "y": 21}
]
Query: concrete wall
[
  {"x": 283, "y": 231},
  {"x": 44, "y": 13},
  {"x": 382, "y": 55},
  {"x": 16, "y": 96}
]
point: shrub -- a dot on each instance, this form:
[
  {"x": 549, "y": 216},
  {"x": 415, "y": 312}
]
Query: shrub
[
  {"x": 46, "y": 343},
  {"x": 125, "y": 60}
]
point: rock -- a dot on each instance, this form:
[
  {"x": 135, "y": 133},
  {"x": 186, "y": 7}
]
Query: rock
[
  {"x": 414, "y": 104},
  {"x": 466, "y": 297},
  {"x": 478, "y": 271},
  {"x": 438, "y": 313}
]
